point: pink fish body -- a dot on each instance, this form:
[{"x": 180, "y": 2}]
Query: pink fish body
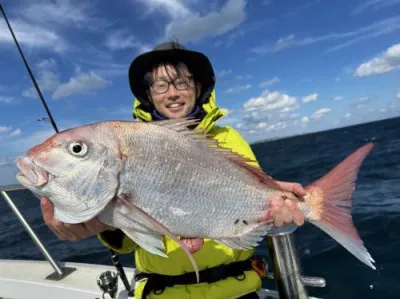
[{"x": 154, "y": 179}]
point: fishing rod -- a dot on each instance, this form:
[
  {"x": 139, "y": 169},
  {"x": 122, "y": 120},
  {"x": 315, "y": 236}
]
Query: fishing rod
[{"x": 114, "y": 255}]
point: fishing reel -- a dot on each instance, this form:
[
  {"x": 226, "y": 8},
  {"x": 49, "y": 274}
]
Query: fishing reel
[{"x": 108, "y": 283}]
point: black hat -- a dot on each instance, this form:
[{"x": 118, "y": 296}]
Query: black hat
[{"x": 196, "y": 62}]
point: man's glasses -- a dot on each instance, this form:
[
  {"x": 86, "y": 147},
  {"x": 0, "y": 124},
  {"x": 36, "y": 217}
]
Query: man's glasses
[{"x": 162, "y": 86}]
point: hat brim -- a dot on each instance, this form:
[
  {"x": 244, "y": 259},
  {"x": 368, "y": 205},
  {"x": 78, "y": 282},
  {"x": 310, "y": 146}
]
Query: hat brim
[{"x": 197, "y": 62}]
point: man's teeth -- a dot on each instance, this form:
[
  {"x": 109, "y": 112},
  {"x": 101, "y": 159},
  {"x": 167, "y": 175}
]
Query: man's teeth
[{"x": 174, "y": 105}]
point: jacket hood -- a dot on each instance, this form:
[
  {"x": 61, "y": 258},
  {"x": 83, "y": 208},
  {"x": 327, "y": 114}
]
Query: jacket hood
[{"x": 213, "y": 113}]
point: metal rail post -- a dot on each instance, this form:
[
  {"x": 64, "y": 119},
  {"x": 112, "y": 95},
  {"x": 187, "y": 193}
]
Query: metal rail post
[
  {"x": 287, "y": 271},
  {"x": 59, "y": 271}
]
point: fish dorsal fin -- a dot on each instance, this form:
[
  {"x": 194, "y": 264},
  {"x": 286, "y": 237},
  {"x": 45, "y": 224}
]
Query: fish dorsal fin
[
  {"x": 255, "y": 172},
  {"x": 181, "y": 126}
]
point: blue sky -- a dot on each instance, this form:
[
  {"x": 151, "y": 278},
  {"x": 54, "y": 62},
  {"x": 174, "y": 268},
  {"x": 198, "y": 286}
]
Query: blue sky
[{"x": 283, "y": 67}]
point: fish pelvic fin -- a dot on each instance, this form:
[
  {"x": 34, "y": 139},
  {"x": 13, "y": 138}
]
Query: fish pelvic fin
[
  {"x": 158, "y": 227},
  {"x": 150, "y": 242},
  {"x": 248, "y": 240},
  {"x": 328, "y": 204}
]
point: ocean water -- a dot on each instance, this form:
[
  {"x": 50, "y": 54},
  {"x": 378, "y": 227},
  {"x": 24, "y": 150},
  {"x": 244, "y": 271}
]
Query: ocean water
[{"x": 376, "y": 213}]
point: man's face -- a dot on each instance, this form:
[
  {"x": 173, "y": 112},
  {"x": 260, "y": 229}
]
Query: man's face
[{"x": 173, "y": 103}]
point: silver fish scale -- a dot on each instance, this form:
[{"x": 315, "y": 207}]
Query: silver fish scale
[{"x": 189, "y": 189}]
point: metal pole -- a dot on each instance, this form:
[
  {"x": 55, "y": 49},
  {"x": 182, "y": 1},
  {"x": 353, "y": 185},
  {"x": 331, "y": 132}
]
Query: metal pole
[
  {"x": 59, "y": 271},
  {"x": 287, "y": 271}
]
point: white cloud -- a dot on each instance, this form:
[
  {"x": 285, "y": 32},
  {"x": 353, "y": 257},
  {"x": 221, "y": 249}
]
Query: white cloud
[
  {"x": 16, "y": 132},
  {"x": 347, "y": 115},
  {"x": 264, "y": 126},
  {"x": 110, "y": 69},
  {"x": 398, "y": 95},
  {"x": 299, "y": 8},
  {"x": 4, "y": 129},
  {"x": 33, "y": 36},
  {"x": 374, "y": 4},
  {"x": 224, "y": 72},
  {"x": 305, "y": 121},
  {"x": 231, "y": 121},
  {"x": 240, "y": 32},
  {"x": 275, "y": 127},
  {"x": 383, "y": 63},
  {"x": 360, "y": 103},
  {"x": 193, "y": 27},
  {"x": 246, "y": 77},
  {"x": 48, "y": 78},
  {"x": 269, "y": 101},
  {"x": 269, "y": 82},
  {"x": 310, "y": 98},
  {"x": 121, "y": 40},
  {"x": 81, "y": 83},
  {"x": 173, "y": 8},
  {"x": 376, "y": 29},
  {"x": 8, "y": 131},
  {"x": 5, "y": 100},
  {"x": 320, "y": 113},
  {"x": 58, "y": 12},
  {"x": 238, "y": 88},
  {"x": 261, "y": 125},
  {"x": 338, "y": 98}
]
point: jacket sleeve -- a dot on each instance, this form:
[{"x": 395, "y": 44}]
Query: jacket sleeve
[
  {"x": 235, "y": 141},
  {"x": 117, "y": 241}
]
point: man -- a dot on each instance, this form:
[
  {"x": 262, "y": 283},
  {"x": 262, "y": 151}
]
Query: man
[{"x": 172, "y": 82}]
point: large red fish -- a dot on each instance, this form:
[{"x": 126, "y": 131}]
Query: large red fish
[{"x": 160, "y": 178}]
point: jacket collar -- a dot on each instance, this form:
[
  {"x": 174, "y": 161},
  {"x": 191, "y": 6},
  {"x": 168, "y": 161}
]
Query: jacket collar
[{"x": 213, "y": 113}]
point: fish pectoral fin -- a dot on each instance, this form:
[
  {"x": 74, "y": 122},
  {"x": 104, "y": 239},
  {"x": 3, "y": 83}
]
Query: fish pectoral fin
[
  {"x": 150, "y": 242},
  {"x": 247, "y": 240},
  {"x": 158, "y": 227}
]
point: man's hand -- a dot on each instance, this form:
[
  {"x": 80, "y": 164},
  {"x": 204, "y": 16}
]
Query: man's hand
[
  {"x": 286, "y": 211},
  {"x": 296, "y": 188},
  {"x": 192, "y": 244},
  {"x": 70, "y": 232}
]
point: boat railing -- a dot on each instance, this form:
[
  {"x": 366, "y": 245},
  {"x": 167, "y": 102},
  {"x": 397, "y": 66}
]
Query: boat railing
[
  {"x": 59, "y": 271},
  {"x": 286, "y": 265}
]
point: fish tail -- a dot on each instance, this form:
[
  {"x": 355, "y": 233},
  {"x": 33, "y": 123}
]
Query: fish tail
[{"x": 328, "y": 204}]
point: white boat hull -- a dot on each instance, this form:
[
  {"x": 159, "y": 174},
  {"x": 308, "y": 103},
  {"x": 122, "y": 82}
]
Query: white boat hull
[{"x": 22, "y": 279}]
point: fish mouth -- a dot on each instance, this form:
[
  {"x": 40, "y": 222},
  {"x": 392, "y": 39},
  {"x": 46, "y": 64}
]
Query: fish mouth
[{"x": 30, "y": 173}]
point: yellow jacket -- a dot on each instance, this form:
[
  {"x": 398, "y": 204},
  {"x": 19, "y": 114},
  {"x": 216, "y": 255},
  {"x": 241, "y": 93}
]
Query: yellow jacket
[{"x": 212, "y": 253}]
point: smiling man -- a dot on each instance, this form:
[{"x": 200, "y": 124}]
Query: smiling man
[{"x": 172, "y": 82}]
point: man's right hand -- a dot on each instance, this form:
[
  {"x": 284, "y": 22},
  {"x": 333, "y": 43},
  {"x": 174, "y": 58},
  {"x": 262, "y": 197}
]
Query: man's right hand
[{"x": 70, "y": 232}]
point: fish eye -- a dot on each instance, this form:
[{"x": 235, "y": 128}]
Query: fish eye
[{"x": 78, "y": 149}]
